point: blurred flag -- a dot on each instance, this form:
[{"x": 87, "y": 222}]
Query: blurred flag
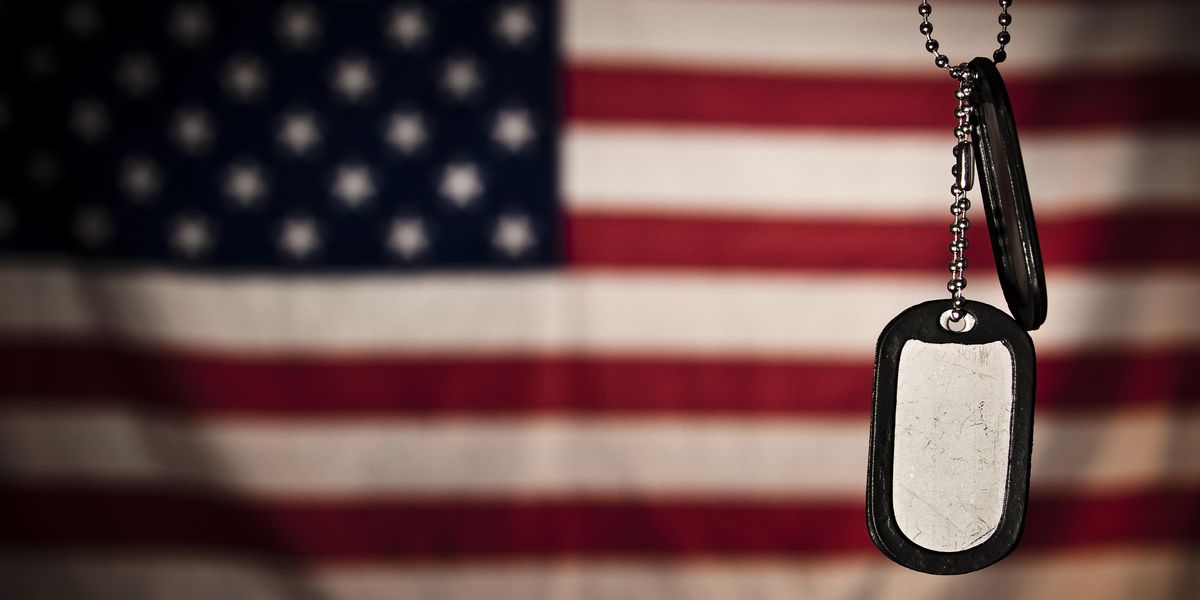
[{"x": 514, "y": 299}]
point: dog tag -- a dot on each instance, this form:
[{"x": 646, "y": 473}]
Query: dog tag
[
  {"x": 1006, "y": 202},
  {"x": 951, "y": 438}
]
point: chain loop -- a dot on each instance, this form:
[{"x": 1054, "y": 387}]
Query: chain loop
[{"x": 941, "y": 60}]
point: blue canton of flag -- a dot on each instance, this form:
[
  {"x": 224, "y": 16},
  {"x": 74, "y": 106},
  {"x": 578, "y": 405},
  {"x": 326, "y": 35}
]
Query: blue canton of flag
[{"x": 264, "y": 135}]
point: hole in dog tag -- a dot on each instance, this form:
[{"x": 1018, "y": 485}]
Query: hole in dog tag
[{"x": 951, "y": 438}]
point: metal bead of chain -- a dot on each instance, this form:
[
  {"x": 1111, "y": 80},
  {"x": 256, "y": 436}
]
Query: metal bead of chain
[
  {"x": 941, "y": 60},
  {"x": 963, "y": 182},
  {"x": 1003, "y": 37}
]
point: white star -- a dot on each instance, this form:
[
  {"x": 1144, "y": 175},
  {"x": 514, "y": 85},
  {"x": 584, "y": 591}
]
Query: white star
[
  {"x": 8, "y": 219},
  {"x": 299, "y": 26},
  {"x": 190, "y": 24},
  {"x": 407, "y": 237},
  {"x": 299, "y": 133},
  {"x": 514, "y": 24},
  {"x": 353, "y": 79},
  {"x": 460, "y": 78},
  {"x": 299, "y": 238},
  {"x": 82, "y": 19},
  {"x": 43, "y": 168},
  {"x": 140, "y": 178},
  {"x": 461, "y": 183},
  {"x": 191, "y": 235},
  {"x": 89, "y": 120},
  {"x": 192, "y": 130},
  {"x": 407, "y": 26},
  {"x": 245, "y": 184},
  {"x": 353, "y": 185},
  {"x": 245, "y": 78},
  {"x": 93, "y": 226},
  {"x": 513, "y": 235},
  {"x": 137, "y": 74},
  {"x": 513, "y": 129},
  {"x": 406, "y": 131}
]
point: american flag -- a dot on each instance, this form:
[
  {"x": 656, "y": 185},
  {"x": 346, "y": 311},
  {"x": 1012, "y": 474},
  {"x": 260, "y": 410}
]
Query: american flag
[{"x": 510, "y": 299}]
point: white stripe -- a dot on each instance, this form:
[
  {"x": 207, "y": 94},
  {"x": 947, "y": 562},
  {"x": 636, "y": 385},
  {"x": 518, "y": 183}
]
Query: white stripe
[
  {"x": 853, "y": 174},
  {"x": 876, "y": 36},
  {"x": 586, "y": 313},
  {"x": 549, "y": 457},
  {"x": 1147, "y": 573}
]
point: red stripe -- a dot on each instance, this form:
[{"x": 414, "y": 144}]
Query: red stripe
[
  {"x": 448, "y": 528},
  {"x": 78, "y": 373},
  {"x": 664, "y": 96},
  {"x": 721, "y": 242}
]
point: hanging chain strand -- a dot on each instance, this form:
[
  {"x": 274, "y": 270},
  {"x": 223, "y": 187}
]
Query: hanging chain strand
[
  {"x": 941, "y": 60},
  {"x": 964, "y": 180},
  {"x": 964, "y": 159}
]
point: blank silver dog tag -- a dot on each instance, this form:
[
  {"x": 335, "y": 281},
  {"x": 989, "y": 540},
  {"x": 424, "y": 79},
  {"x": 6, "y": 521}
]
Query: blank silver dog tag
[{"x": 951, "y": 438}]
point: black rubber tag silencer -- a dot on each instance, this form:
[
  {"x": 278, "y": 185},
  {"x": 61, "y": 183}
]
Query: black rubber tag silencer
[{"x": 1006, "y": 200}]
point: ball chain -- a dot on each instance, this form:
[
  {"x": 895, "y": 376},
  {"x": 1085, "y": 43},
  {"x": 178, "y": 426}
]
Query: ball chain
[
  {"x": 963, "y": 182},
  {"x": 963, "y": 150},
  {"x": 941, "y": 60}
]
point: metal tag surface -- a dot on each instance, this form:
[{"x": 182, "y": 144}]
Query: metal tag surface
[
  {"x": 951, "y": 439},
  {"x": 1006, "y": 200}
]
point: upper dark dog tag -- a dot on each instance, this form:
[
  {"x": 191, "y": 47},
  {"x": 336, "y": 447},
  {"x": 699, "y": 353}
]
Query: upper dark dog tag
[
  {"x": 951, "y": 438},
  {"x": 1006, "y": 198}
]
